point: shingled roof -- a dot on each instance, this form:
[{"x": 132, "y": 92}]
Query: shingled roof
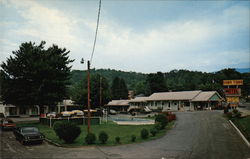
[
  {"x": 118, "y": 103},
  {"x": 139, "y": 99},
  {"x": 205, "y": 96},
  {"x": 183, "y": 95}
]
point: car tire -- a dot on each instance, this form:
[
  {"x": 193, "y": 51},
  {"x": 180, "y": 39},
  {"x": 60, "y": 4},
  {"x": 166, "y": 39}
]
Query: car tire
[{"x": 23, "y": 142}]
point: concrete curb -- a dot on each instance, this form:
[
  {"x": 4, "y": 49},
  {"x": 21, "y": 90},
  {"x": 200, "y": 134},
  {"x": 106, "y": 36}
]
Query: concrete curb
[
  {"x": 53, "y": 143},
  {"x": 242, "y": 136}
]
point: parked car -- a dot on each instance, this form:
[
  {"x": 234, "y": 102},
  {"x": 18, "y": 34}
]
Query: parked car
[
  {"x": 7, "y": 124},
  {"x": 112, "y": 112},
  {"x": 52, "y": 115},
  {"x": 77, "y": 112},
  {"x": 28, "y": 134},
  {"x": 67, "y": 114}
]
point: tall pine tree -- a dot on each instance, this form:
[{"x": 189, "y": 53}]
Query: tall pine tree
[{"x": 119, "y": 89}]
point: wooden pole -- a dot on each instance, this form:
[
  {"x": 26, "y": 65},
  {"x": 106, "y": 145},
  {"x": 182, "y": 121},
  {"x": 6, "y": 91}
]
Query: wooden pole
[
  {"x": 100, "y": 92},
  {"x": 88, "y": 97}
]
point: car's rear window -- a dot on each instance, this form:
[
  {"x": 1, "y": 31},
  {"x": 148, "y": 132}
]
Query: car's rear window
[{"x": 29, "y": 130}]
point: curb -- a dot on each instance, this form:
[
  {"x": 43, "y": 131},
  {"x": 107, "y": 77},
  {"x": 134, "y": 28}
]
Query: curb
[
  {"x": 53, "y": 143},
  {"x": 242, "y": 136}
]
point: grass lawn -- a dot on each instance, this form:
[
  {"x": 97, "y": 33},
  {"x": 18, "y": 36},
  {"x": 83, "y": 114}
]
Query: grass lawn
[
  {"x": 244, "y": 125},
  {"x": 113, "y": 130}
]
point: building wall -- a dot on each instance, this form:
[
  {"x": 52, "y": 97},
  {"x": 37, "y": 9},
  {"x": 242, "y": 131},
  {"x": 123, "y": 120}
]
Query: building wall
[
  {"x": 171, "y": 105},
  {"x": 11, "y": 110}
]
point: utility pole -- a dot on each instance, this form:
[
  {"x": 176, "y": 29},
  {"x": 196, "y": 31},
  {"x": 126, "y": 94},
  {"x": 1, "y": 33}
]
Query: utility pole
[
  {"x": 88, "y": 97},
  {"x": 100, "y": 91}
]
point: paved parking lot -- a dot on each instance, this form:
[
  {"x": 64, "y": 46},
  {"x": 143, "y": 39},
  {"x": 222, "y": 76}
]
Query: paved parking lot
[{"x": 200, "y": 134}]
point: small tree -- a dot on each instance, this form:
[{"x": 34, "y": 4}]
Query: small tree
[
  {"x": 133, "y": 138},
  {"x": 117, "y": 139},
  {"x": 90, "y": 138},
  {"x": 162, "y": 120},
  {"x": 67, "y": 131},
  {"x": 144, "y": 133},
  {"x": 103, "y": 137},
  {"x": 153, "y": 131}
]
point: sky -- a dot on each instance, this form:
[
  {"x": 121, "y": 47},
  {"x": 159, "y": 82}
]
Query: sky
[{"x": 134, "y": 35}]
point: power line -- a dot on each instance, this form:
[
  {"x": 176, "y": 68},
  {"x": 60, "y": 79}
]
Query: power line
[{"x": 97, "y": 25}]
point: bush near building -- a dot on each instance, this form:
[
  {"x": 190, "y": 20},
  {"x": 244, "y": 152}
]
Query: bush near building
[
  {"x": 153, "y": 131},
  {"x": 67, "y": 131},
  {"x": 144, "y": 133},
  {"x": 161, "y": 119},
  {"x": 118, "y": 140},
  {"x": 133, "y": 138},
  {"x": 90, "y": 138},
  {"x": 103, "y": 137}
]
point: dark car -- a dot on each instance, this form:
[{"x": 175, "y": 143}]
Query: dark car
[
  {"x": 6, "y": 123},
  {"x": 28, "y": 134}
]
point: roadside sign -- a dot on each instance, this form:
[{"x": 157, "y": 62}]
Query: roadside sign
[
  {"x": 233, "y": 99},
  {"x": 232, "y": 91},
  {"x": 232, "y": 82}
]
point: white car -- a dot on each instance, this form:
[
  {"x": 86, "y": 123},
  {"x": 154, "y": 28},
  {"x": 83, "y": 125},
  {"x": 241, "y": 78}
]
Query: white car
[
  {"x": 51, "y": 115},
  {"x": 77, "y": 112},
  {"x": 67, "y": 114},
  {"x": 112, "y": 112}
]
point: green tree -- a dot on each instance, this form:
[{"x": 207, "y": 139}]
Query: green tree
[
  {"x": 119, "y": 89},
  {"x": 98, "y": 84},
  {"x": 156, "y": 82},
  {"x": 35, "y": 75},
  {"x": 140, "y": 88}
]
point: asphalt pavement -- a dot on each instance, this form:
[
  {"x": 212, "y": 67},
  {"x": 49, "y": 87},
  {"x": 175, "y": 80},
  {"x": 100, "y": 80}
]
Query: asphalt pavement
[{"x": 202, "y": 134}]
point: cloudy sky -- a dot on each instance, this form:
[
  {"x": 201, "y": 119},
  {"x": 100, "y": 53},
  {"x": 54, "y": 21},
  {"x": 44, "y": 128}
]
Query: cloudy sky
[{"x": 142, "y": 35}]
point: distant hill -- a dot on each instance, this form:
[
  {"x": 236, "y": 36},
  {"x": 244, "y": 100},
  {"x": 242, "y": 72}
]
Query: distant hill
[
  {"x": 243, "y": 70},
  {"x": 131, "y": 78},
  {"x": 176, "y": 80}
]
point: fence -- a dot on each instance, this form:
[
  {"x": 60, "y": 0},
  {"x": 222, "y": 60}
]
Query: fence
[{"x": 80, "y": 121}]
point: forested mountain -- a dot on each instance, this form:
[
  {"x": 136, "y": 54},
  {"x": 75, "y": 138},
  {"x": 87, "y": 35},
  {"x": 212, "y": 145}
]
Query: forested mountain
[
  {"x": 131, "y": 78},
  {"x": 175, "y": 80}
]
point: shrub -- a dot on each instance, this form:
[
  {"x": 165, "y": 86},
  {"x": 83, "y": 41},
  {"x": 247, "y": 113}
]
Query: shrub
[
  {"x": 157, "y": 126},
  {"x": 153, "y": 131},
  {"x": 117, "y": 139},
  {"x": 144, "y": 133},
  {"x": 235, "y": 111},
  {"x": 162, "y": 119},
  {"x": 238, "y": 115},
  {"x": 103, "y": 137},
  {"x": 133, "y": 138},
  {"x": 90, "y": 138},
  {"x": 67, "y": 131}
]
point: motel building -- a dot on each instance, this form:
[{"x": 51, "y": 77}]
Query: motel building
[
  {"x": 29, "y": 111},
  {"x": 173, "y": 101}
]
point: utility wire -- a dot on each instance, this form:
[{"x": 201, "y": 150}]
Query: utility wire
[{"x": 97, "y": 25}]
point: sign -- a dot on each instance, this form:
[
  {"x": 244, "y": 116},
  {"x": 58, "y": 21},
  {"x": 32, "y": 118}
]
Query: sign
[
  {"x": 232, "y": 91},
  {"x": 233, "y": 99},
  {"x": 232, "y": 82}
]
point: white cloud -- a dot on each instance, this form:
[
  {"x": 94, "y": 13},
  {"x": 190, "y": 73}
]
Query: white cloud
[{"x": 189, "y": 43}]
